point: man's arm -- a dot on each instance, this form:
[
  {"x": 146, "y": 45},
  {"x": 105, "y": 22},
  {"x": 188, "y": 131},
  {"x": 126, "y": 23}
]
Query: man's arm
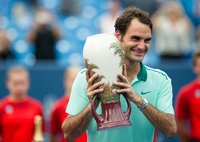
[
  {"x": 75, "y": 125},
  {"x": 164, "y": 122}
]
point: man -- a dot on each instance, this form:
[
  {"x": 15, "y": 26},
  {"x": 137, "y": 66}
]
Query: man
[
  {"x": 58, "y": 113},
  {"x": 139, "y": 83},
  {"x": 187, "y": 107},
  {"x": 17, "y": 110}
]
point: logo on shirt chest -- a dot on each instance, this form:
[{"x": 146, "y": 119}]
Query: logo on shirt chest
[
  {"x": 9, "y": 109},
  {"x": 145, "y": 92},
  {"x": 197, "y": 94}
]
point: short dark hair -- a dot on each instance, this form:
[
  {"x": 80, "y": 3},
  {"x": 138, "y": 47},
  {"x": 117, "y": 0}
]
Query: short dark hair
[{"x": 124, "y": 20}]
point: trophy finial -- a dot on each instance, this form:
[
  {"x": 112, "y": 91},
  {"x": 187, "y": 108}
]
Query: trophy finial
[{"x": 38, "y": 134}]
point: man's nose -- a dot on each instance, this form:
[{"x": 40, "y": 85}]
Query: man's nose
[{"x": 141, "y": 45}]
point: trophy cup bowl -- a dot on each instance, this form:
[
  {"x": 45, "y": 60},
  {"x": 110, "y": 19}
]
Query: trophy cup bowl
[{"x": 103, "y": 55}]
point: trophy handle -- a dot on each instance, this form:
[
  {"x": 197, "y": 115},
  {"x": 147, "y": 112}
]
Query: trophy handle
[
  {"x": 127, "y": 113},
  {"x": 96, "y": 116}
]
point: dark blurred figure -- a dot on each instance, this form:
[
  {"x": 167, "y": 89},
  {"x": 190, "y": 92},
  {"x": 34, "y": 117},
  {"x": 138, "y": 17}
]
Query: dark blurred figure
[
  {"x": 149, "y": 6},
  {"x": 5, "y": 51},
  {"x": 44, "y": 35},
  {"x": 58, "y": 113},
  {"x": 70, "y": 7},
  {"x": 33, "y": 3}
]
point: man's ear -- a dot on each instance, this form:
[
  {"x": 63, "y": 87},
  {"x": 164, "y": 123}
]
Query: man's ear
[{"x": 118, "y": 35}]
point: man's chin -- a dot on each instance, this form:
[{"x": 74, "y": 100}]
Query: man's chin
[
  {"x": 136, "y": 58},
  {"x": 139, "y": 59}
]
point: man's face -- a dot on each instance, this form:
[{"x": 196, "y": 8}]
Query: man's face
[
  {"x": 136, "y": 41},
  {"x": 18, "y": 84}
]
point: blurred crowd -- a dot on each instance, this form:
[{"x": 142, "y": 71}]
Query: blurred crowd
[{"x": 40, "y": 30}]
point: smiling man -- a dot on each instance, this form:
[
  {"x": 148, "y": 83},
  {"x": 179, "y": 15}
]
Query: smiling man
[{"x": 148, "y": 89}]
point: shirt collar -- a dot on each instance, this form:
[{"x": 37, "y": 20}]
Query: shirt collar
[{"x": 142, "y": 75}]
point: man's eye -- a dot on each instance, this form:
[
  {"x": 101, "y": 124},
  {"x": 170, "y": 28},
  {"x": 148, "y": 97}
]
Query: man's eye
[
  {"x": 147, "y": 41},
  {"x": 135, "y": 39}
]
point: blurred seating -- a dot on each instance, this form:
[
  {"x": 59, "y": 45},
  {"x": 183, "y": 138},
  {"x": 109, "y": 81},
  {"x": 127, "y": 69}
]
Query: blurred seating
[
  {"x": 24, "y": 52},
  {"x": 74, "y": 28}
]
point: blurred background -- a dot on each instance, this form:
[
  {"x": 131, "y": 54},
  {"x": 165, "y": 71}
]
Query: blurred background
[{"x": 47, "y": 36}]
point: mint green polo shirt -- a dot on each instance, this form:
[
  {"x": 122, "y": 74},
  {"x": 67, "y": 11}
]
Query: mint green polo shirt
[{"x": 152, "y": 84}]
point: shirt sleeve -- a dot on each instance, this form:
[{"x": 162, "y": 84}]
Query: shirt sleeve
[
  {"x": 78, "y": 98},
  {"x": 165, "y": 95}
]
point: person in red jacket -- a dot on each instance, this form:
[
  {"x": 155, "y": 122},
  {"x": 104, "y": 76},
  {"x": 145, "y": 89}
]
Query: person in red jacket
[
  {"x": 17, "y": 109},
  {"x": 58, "y": 113},
  {"x": 187, "y": 107}
]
